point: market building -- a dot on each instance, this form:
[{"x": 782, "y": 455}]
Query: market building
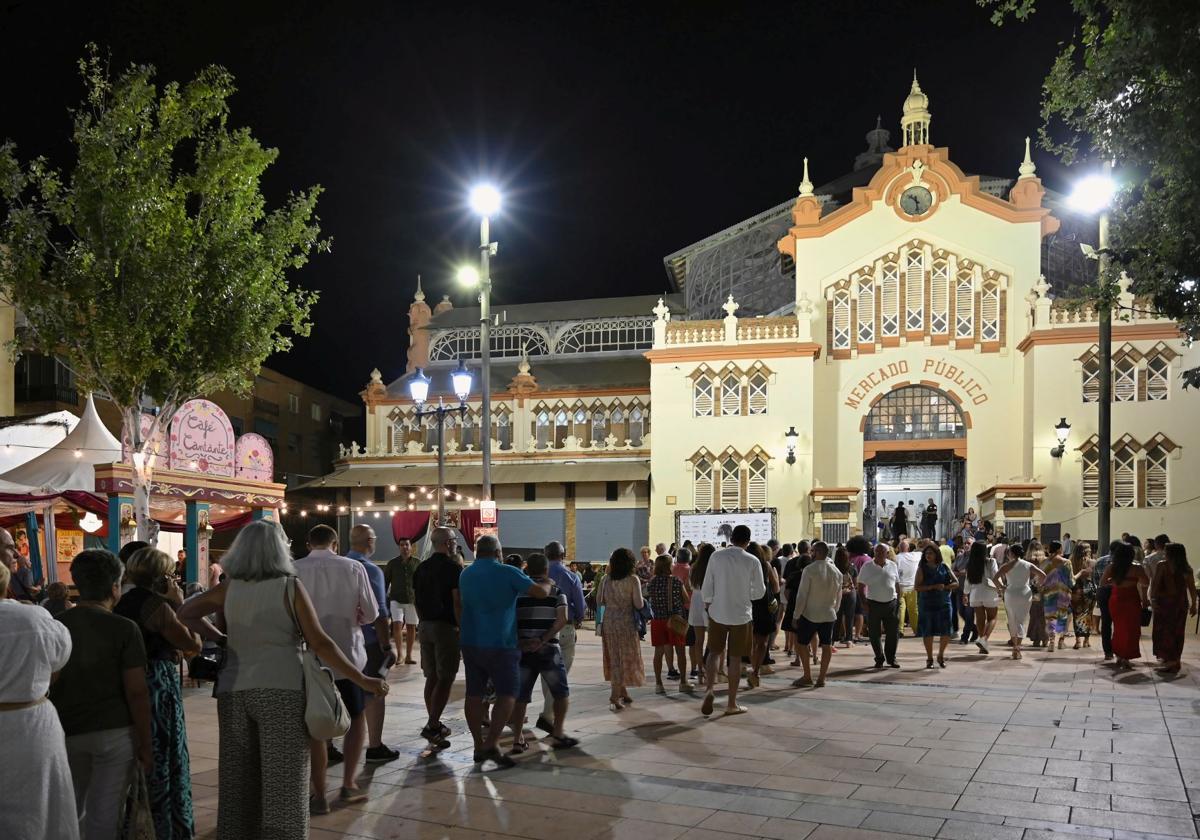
[{"x": 899, "y": 333}]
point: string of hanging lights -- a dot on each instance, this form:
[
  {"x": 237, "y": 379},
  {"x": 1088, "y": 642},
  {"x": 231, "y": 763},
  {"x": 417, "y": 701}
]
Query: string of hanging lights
[{"x": 413, "y": 499}]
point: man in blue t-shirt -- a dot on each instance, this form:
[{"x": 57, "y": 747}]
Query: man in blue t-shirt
[{"x": 488, "y": 637}]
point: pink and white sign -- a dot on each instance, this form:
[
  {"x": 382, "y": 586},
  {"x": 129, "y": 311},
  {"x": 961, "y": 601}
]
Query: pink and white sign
[
  {"x": 255, "y": 460},
  {"x": 158, "y": 446},
  {"x": 202, "y": 439}
]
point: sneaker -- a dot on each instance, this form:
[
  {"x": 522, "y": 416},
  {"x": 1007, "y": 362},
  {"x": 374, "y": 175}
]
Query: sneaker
[
  {"x": 543, "y": 724},
  {"x": 695, "y": 672},
  {"x": 672, "y": 674},
  {"x": 982, "y": 645},
  {"x": 878, "y": 663},
  {"x": 893, "y": 664},
  {"x": 317, "y": 806},
  {"x": 334, "y": 755},
  {"x": 381, "y": 754}
]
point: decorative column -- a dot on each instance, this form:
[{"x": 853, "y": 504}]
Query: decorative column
[
  {"x": 265, "y": 513},
  {"x": 730, "y": 320},
  {"x": 662, "y": 314},
  {"x": 195, "y": 543},
  {"x": 120, "y": 511}
]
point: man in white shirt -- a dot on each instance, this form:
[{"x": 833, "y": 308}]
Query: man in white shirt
[
  {"x": 341, "y": 594},
  {"x": 817, "y": 600},
  {"x": 881, "y": 583},
  {"x": 734, "y": 578},
  {"x": 1068, "y": 545},
  {"x": 907, "y": 562}
]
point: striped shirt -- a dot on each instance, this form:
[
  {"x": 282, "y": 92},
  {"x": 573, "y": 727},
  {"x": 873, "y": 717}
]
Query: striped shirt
[{"x": 537, "y": 615}]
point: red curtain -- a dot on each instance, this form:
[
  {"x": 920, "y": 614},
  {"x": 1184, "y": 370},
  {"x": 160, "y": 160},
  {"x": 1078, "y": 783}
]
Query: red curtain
[
  {"x": 409, "y": 525},
  {"x": 468, "y": 521}
]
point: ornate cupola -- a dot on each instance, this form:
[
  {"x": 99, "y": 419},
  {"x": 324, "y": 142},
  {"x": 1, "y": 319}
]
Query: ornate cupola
[
  {"x": 914, "y": 123},
  {"x": 419, "y": 315}
]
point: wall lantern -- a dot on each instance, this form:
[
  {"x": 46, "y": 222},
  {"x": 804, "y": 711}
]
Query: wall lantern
[
  {"x": 791, "y": 435},
  {"x": 1061, "y": 430}
]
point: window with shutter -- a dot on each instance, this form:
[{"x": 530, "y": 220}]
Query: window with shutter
[
  {"x": 756, "y": 484},
  {"x": 1091, "y": 379},
  {"x": 599, "y": 428},
  {"x": 758, "y": 392},
  {"x": 890, "y": 300},
  {"x": 964, "y": 305},
  {"x": 1158, "y": 378},
  {"x": 989, "y": 313},
  {"x": 1091, "y": 478},
  {"x": 617, "y": 426},
  {"x": 1156, "y": 477},
  {"x": 504, "y": 429},
  {"x": 914, "y": 291},
  {"x": 702, "y": 485},
  {"x": 469, "y": 434},
  {"x": 562, "y": 427},
  {"x": 636, "y": 418},
  {"x": 1124, "y": 478},
  {"x": 731, "y": 484},
  {"x": 702, "y": 396},
  {"x": 731, "y": 394},
  {"x": 542, "y": 430},
  {"x": 841, "y": 320},
  {"x": 1124, "y": 379},
  {"x": 866, "y": 309},
  {"x": 939, "y": 297}
]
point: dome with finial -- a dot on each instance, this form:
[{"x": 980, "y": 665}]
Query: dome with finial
[
  {"x": 915, "y": 118},
  {"x": 877, "y": 145}
]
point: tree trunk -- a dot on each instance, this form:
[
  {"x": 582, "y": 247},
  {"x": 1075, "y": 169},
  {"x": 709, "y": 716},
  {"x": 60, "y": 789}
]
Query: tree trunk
[{"x": 145, "y": 460}]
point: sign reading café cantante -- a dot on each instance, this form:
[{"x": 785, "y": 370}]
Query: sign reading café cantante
[
  {"x": 955, "y": 377},
  {"x": 201, "y": 434}
]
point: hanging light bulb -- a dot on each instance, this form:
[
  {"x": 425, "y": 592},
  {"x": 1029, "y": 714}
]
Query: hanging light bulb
[
  {"x": 412, "y": 495},
  {"x": 78, "y": 453},
  {"x": 411, "y": 506},
  {"x": 303, "y": 513},
  {"x": 391, "y": 488}
]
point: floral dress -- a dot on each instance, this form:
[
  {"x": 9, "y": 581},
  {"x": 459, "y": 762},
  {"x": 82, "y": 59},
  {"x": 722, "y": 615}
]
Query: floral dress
[
  {"x": 1056, "y": 597},
  {"x": 619, "y": 636},
  {"x": 1083, "y": 601}
]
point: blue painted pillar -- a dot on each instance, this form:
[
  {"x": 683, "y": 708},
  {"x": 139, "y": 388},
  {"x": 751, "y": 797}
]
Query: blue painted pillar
[
  {"x": 194, "y": 543},
  {"x": 115, "y": 505},
  {"x": 35, "y": 550},
  {"x": 261, "y": 513}
]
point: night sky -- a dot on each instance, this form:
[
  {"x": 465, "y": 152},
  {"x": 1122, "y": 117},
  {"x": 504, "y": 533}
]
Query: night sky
[{"x": 620, "y": 132}]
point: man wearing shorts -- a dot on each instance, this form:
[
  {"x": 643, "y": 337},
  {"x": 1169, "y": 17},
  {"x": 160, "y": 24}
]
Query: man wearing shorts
[
  {"x": 817, "y": 600},
  {"x": 435, "y": 590},
  {"x": 489, "y": 591},
  {"x": 734, "y": 578},
  {"x": 539, "y": 621},
  {"x": 399, "y": 574},
  {"x": 379, "y": 645},
  {"x": 341, "y": 595}
]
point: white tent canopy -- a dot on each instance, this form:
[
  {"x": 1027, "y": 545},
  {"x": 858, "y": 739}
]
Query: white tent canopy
[
  {"x": 69, "y": 465},
  {"x": 24, "y": 438}
]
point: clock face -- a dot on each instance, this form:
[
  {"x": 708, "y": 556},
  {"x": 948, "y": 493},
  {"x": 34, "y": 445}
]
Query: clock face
[{"x": 916, "y": 201}]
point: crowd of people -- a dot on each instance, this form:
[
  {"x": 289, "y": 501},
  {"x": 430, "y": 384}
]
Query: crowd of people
[{"x": 91, "y": 698}]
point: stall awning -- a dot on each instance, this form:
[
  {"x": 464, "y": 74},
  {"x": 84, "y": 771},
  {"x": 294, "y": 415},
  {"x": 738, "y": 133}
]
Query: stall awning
[{"x": 502, "y": 473}]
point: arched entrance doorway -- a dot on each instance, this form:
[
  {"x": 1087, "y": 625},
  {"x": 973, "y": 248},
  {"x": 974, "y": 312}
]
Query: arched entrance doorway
[{"x": 914, "y": 450}]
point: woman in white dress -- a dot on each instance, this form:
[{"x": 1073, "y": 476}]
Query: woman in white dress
[
  {"x": 38, "y": 794},
  {"x": 1013, "y": 579},
  {"x": 983, "y": 595},
  {"x": 697, "y": 614}
]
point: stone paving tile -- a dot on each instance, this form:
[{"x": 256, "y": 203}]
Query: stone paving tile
[
  {"x": 903, "y": 824},
  {"x": 925, "y": 799},
  {"x": 830, "y": 815},
  {"x": 957, "y": 830},
  {"x": 1078, "y": 769},
  {"x": 1130, "y": 789},
  {"x": 999, "y": 791},
  {"x": 1011, "y": 808},
  {"x": 1134, "y": 822},
  {"x": 1137, "y": 805}
]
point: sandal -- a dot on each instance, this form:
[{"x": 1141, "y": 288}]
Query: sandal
[
  {"x": 519, "y": 747},
  {"x": 735, "y": 710},
  {"x": 502, "y": 761},
  {"x": 626, "y": 700},
  {"x": 563, "y": 743},
  {"x": 941, "y": 662},
  {"x": 928, "y": 663}
]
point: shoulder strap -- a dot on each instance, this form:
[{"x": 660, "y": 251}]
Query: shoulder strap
[{"x": 289, "y": 589}]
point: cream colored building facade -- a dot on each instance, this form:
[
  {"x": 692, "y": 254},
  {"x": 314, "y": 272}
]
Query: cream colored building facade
[{"x": 896, "y": 338}]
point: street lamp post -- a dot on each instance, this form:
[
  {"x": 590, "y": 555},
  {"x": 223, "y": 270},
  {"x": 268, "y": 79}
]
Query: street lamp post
[
  {"x": 1094, "y": 194},
  {"x": 485, "y": 200},
  {"x": 418, "y": 389}
]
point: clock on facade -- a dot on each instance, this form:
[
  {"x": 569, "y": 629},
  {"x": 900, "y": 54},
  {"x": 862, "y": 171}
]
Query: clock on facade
[{"x": 916, "y": 200}]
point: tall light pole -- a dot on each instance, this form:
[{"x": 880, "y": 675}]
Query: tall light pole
[
  {"x": 418, "y": 389},
  {"x": 485, "y": 200},
  {"x": 1094, "y": 194}
]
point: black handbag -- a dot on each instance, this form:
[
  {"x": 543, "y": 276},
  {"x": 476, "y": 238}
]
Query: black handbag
[{"x": 207, "y": 664}]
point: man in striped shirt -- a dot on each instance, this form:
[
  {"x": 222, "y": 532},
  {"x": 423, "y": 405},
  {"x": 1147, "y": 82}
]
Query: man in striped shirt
[{"x": 539, "y": 621}]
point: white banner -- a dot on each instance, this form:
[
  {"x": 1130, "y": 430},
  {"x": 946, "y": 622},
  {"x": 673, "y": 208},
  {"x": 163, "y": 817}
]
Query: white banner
[{"x": 716, "y": 528}]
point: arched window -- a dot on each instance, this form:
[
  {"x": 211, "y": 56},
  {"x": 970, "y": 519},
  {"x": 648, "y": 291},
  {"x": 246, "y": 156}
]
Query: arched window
[
  {"x": 1124, "y": 385},
  {"x": 756, "y": 483},
  {"x": 1091, "y": 476},
  {"x": 503, "y": 432},
  {"x": 1091, "y": 377},
  {"x": 890, "y": 300},
  {"x": 580, "y": 425},
  {"x": 731, "y": 392},
  {"x": 542, "y": 429},
  {"x": 703, "y": 391},
  {"x": 866, "y": 309},
  {"x": 1156, "y": 476},
  {"x": 757, "y": 391},
  {"x": 562, "y": 427},
  {"x": 914, "y": 290},
  {"x": 841, "y": 320},
  {"x": 702, "y": 484},
  {"x": 939, "y": 296},
  {"x": 1124, "y": 476},
  {"x": 915, "y": 412},
  {"x": 636, "y": 426},
  {"x": 964, "y": 305},
  {"x": 1158, "y": 377},
  {"x": 599, "y": 426},
  {"x": 989, "y": 312},
  {"x": 618, "y": 425},
  {"x": 731, "y": 484}
]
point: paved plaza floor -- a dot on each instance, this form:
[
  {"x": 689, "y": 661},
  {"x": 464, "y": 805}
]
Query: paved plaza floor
[{"x": 988, "y": 748}]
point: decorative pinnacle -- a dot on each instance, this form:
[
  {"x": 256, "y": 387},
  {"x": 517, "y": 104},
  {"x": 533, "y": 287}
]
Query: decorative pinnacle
[
  {"x": 806, "y": 187},
  {"x": 1026, "y": 168},
  {"x": 730, "y": 306},
  {"x": 420, "y": 295}
]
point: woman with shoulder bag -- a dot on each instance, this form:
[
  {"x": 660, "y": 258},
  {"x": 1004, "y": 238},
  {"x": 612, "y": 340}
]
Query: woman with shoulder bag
[
  {"x": 264, "y": 743},
  {"x": 665, "y": 593}
]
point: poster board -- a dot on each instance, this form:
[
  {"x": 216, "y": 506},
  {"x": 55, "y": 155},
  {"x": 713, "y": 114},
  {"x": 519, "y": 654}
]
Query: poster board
[{"x": 715, "y": 528}]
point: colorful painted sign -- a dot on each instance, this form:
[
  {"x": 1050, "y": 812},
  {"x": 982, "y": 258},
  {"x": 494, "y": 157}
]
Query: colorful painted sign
[
  {"x": 255, "y": 460},
  {"x": 202, "y": 439}
]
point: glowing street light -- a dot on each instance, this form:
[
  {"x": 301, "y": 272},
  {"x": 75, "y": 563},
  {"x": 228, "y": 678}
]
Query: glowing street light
[
  {"x": 1093, "y": 194},
  {"x": 485, "y": 199}
]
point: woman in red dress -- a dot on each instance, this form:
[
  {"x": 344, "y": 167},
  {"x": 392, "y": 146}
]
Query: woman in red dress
[
  {"x": 1128, "y": 582},
  {"x": 1173, "y": 588}
]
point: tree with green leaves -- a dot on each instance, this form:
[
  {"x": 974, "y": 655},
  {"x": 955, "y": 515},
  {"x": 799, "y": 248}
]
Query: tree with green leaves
[
  {"x": 153, "y": 269},
  {"x": 1126, "y": 88}
]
